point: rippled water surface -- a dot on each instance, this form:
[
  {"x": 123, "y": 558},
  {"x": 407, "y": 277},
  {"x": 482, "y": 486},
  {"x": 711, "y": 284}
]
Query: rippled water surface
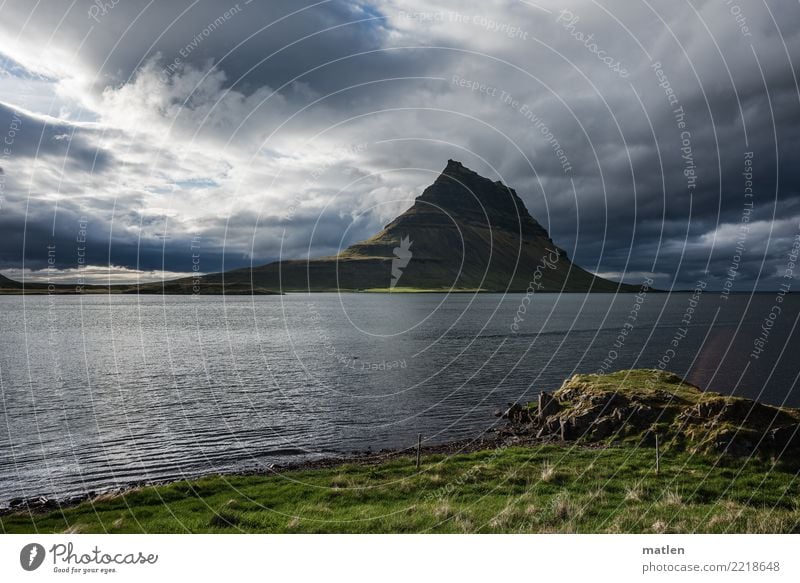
[{"x": 106, "y": 390}]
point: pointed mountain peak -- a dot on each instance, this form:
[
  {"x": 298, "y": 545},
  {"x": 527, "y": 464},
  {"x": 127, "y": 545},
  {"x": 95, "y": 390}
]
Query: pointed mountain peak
[
  {"x": 471, "y": 180},
  {"x": 454, "y": 166},
  {"x": 457, "y": 169},
  {"x": 459, "y": 189}
]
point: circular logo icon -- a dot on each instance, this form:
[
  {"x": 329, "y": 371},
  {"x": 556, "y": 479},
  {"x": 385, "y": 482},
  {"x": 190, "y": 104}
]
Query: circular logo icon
[{"x": 31, "y": 556}]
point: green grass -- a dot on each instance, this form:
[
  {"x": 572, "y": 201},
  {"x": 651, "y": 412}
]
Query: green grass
[
  {"x": 422, "y": 290},
  {"x": 545, "y": 488},
  {"x": 638, "y": 383}
]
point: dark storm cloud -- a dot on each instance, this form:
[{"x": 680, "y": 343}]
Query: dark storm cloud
[
  {"x": 75, "y": 240},
  {"x": 654, "y": 191},
  {"x": 30, "y": 137},
  {"x": 255, "y": 43}
]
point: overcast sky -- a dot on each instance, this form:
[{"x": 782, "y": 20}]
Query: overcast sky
[{"x": 244, "y": 132}]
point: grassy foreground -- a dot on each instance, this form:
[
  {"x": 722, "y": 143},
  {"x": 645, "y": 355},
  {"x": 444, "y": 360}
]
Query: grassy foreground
[{"x": 542, "y": 488}]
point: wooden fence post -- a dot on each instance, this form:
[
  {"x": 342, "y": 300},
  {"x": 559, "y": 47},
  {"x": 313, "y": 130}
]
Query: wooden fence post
[{"x": 658, "y": 457}]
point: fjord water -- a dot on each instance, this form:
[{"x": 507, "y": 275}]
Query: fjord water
[{"x": 103, "y": 391}]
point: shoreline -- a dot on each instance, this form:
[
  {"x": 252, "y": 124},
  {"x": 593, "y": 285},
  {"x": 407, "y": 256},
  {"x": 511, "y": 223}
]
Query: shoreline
[
  {"x": 597, "y": 455},
  {"x": 35, "y": 291},
  {"x": 491, "y": 439}
]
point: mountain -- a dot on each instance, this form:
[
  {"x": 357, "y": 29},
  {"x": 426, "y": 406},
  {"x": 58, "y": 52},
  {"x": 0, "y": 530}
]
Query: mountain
[{"x": 464, "y": 232}]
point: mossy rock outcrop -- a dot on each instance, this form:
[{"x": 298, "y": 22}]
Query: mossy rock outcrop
[{"x": 638, "y": 405}]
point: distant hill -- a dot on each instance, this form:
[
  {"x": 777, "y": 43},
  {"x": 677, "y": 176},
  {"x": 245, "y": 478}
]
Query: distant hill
[
  {"x": 464, "y": 232},
  {"x": 10, "y": 284},
  {"x": 173, "y": 287}
]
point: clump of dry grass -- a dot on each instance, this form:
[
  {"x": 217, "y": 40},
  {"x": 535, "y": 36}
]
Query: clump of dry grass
[
  {"x": 339, "y": 481},
  {"x": 505, "y": 518},
  {"x": 672, "y": 498},
  {"x": 634, "y": 494},
  {"x": 443, "y": 510},
  {"x": 730, "y": 512},
  {"x": 564, "y": 508},
  {"x": 598, "y": 493},
  {"x": 769, "y": 523},
  {"x": 549, "y": 472},
  {"x": 464, "y": 524},
  {"x": 404, "y": 486}
]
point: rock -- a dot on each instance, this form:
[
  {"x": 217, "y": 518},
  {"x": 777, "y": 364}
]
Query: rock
[
  {"x": 550, "y": 428},
  {"x": 548, "y": 406},
  {"x": 786, "y": 437},
  {"x": 643, "y": 416},
  {"x": 732, "y": 442},
  {"x": 603, "y": 428},
  {"x": 581, "y": 423},
  {"x": 37, "y": 503},
  {"x": 631, "y": 405},
  {"x": 518, "y": 415}
]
